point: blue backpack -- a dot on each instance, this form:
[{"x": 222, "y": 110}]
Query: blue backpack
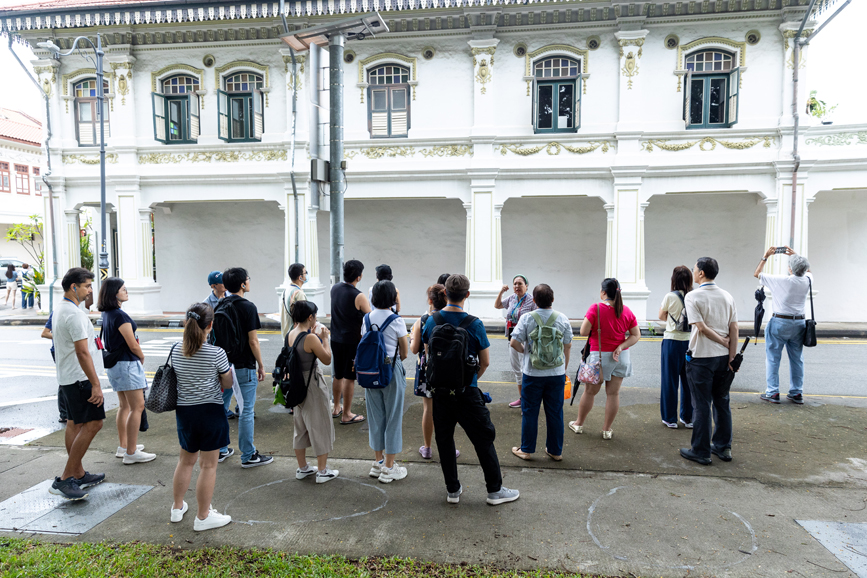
[{"x": 373, "y": 368}]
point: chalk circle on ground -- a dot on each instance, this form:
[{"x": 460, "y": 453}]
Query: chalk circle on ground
[
  {"x": 290, "y": 501},
  {"x": 664, "y": 529}
]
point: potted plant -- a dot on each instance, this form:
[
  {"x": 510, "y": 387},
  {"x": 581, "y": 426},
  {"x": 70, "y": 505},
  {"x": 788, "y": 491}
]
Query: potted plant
[{"x": 819, "y": 108}]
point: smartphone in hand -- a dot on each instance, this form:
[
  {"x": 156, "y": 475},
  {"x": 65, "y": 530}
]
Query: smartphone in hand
[{"x": 780, "y": 250}]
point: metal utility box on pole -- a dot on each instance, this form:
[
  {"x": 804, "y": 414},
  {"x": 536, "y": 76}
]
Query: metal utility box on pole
[{"x": 334, "y": 36}]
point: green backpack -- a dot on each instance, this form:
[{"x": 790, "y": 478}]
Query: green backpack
[{"x": 547, "y": 340}]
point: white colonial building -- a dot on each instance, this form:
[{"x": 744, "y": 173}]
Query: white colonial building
[{"x": 563, "y": 140}]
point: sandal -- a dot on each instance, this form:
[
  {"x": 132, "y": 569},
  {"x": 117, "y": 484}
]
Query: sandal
[
  {"x": 553, "y": 457},
  {"x": 337, "y": 415},
  {"x": 357, "y": 419},
  {"x": 578, "y": 429},
  {"x": 521, "y": 454}
]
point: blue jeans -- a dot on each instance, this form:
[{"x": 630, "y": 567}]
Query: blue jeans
[
  {"x": 534, "y": 391},
  {"x": 249, "y": 382},
  {"x": 26, "y": 300},
  {"x": 673, "y": 364},
  {"x": 788, "y": 333},
  {"x": 385, "y": 413}
]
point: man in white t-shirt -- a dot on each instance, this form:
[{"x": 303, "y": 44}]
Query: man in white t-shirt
[
  {"x": 713, "y": 344},
  {"x": 297, "y": 277},
  {"x": 75, "y": 351},
  {"x": 787, "y": 325}
]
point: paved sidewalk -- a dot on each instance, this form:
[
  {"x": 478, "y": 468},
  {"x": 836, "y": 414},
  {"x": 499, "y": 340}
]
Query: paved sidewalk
[
  {"x": 271, "y": 321},
  {"x": 629, "y": 506}
]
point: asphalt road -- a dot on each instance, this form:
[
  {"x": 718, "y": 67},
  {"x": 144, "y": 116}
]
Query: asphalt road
[{"x": 28, "y": 387}]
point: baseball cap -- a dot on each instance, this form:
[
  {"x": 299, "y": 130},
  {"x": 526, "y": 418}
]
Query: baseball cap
[{"x": 215, "y": 278}]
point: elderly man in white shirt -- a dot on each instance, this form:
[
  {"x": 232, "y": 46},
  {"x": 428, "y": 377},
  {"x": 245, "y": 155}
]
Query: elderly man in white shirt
[{"x": 787, "y": 325}]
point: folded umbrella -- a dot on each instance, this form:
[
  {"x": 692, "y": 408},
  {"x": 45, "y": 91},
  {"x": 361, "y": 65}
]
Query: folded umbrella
[
  {"x": 736, "y": 363},
  {"x": 760, "y": 312}
]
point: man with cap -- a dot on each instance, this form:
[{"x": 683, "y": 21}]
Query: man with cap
[
  {"x": 218, "y": 291},
  {"x": 215, "y": 280}
]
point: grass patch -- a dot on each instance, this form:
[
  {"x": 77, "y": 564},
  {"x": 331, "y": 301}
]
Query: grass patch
[{"x": 28, "y": 558}]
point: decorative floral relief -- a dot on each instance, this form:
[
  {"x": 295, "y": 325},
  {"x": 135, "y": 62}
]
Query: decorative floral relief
[
  {"x": 706, "y": 144},
  {"x": 409, "y": 151},
  {"x": 554, "y": 148},
  {"x": 207, "y": 157},
  {"x": 89, "y": 159},
  {"x": 840, "y": 139}
]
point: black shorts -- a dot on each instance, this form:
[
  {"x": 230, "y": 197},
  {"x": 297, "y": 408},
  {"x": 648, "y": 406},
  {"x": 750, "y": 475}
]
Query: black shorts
[
  {"x": 343, "y": 360},
  {"x": 203, "y": 427},
  {"x": 74, "y": 397}
]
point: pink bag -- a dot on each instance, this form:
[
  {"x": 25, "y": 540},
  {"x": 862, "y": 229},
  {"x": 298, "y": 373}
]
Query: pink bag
[{"x": 591, "y": 373}]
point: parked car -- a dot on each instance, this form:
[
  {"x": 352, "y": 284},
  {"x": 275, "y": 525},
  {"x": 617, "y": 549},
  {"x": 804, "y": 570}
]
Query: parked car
[{"x": 5, "y": 262}]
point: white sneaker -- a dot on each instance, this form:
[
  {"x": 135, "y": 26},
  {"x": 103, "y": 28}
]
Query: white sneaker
[
  {"x": 305, "y": 473},
  {"x": 139, "y": 457},
  {"x": 672, "y": 425},
  {"x": 686, "y": 425},
  {"x": 607, "y": 435},
  {"x": 391, "y": 474},
  {"x": 455, "y": 497},
  {"x": 326, "y": 476},
  {"x": 214, "y": 520},
  {"x": 376, "y": 469},
  {"x": 178, "y": 515},
  {"x": 122, "y": 451}
]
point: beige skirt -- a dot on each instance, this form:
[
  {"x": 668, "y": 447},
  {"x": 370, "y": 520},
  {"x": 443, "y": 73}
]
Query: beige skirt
[{"x": 314, "y": 426}]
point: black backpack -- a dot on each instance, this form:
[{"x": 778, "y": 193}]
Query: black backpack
[
  {"x": 682, "y": 324},
  {"x": 450, "y": 367},
  {"x": 290, "y": 388},
  {"x": 227, "y": 328}
]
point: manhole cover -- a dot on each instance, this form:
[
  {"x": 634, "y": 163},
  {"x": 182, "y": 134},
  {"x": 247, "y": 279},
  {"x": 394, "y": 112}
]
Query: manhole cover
[{"x": 35, "y": 510}]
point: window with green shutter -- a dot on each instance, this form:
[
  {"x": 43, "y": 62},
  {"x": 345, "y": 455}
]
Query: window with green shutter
[
  {"x": 557, "y": 95},
  {"x": 710, "y": 95},
  {"x": 176, "y": 110},
  {"x": 239, "y": 108},
  {"x": 388, "y": 101}
]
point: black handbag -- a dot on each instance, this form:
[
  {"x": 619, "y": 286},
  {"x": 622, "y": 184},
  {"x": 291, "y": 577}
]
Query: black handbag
[
  {"x": 164, "y": 389},
  {"x": 810, "y": 329},
  {"x": 109, "y": 358}
]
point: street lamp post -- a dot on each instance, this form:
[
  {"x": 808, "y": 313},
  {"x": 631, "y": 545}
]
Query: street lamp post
[{"x": 100, "y": 96}]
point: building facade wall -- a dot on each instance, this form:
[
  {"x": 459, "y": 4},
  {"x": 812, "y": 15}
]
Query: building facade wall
[{"x": 626, "y": 195}]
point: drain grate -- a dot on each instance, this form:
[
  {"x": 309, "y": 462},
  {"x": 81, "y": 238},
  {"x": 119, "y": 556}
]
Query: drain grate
[
  {"x": 848, "y": 542},
  {"x": 35, "y": 510}
]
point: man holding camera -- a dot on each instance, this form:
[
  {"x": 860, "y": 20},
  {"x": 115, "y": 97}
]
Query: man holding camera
[{"x": 788, "y": 324}]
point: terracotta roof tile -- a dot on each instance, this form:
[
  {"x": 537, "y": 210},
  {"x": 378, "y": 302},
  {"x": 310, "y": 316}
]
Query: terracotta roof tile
[{"x": 17, "y": 126}]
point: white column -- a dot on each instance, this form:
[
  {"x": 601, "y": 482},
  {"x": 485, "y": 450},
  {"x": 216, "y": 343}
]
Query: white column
[
  {"x": 484, "y": 99},
  {"x": 314, "y": 288},
  {"x": 632, "y": 96},
  {"x": 788, "y": 30},
  {"x": 122, "y": 116},
  {"x": 135, "y": 249},
  {"x": 773, "y": 233},
  {"x": 72, "y": 229},
  {"x": 484, "y": 248},
  {"x": 625, "y": 246},
  {"x": 60, "y": 224}
]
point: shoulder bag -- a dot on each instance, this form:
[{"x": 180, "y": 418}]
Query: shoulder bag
[
  {"x": 810, "y": 329},
  {"x": 591, "y": 373},
  {"x": 164, "y": 389},
  {"x": 109, "y": 358}
]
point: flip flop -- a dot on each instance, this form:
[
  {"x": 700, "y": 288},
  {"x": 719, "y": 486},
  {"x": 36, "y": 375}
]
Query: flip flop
[
  {"x": 337, "y": 415},
  {"x": 357, "y": 419},
  {"x": 521, "y": 454}
]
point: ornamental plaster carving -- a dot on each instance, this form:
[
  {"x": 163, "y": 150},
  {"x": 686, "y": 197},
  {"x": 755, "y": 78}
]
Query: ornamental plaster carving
[
  {"x": 67, "y": 80},
  {"x": 442, "y": 151},
  {"x": 706, "y": 144},
  {"x": 840, "y": 139},
  {"x": 551, "y": 50},
  {"x": 240, "y": 65},
  {"x": 290, "y": 76},
  {"x": 630, "y": 69},
  {"x": 173, "y": 69},
  {"x": 789, "y": 34},
  {"x": 208, "y": 157},
  {"x": 110, "y": 158},
  {"x": 483, "y": 69},
  {"x": 382, "y": 58},
  {"x": 554, "y": 148},
  {"x": 740, "y": 49}
]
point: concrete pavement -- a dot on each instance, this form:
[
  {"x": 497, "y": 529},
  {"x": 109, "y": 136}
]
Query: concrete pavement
[{"x": 629, "y": 505}]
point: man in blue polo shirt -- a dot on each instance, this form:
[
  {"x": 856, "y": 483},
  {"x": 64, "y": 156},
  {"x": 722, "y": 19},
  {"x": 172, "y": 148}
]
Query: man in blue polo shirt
[{"x": 466, "y": 408}]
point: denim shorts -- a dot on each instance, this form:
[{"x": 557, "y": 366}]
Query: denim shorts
[{"x": 126, "y": 376}]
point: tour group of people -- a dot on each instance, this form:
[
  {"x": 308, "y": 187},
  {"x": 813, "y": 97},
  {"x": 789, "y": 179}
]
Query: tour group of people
[
  {"x": 699, "y": 344},
  {"x": 24, "y": 275}
]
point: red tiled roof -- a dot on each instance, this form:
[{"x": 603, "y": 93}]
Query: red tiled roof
[{"x": 17, "y": 126}]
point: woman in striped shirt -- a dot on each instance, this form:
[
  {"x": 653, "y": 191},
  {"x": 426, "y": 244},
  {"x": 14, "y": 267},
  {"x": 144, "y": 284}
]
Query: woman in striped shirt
[
  {"x": 516, "y": 304},
  {"x": 203, "y": 371}
]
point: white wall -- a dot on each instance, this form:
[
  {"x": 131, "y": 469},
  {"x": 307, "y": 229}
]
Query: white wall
[
  {"x": 419, "y": 239},
  {"x": 838, "y": 254},
  {"x": 681, "y": 228},
  {"x": 558, "y": 241},
  {"x": 197, "y": 238}
]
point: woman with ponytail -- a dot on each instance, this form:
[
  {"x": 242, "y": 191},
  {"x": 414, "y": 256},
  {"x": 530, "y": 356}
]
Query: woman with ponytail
[
  {"x": 203, "y": 372},
  {"x": 619, "y": 331}
]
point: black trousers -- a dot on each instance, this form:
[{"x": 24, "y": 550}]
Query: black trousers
[
  {"x": 467, "y": 409},
  {"x": 709, "y": 383}
]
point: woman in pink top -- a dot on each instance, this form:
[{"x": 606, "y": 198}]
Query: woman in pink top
[{"x": 619, "y": 332}]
